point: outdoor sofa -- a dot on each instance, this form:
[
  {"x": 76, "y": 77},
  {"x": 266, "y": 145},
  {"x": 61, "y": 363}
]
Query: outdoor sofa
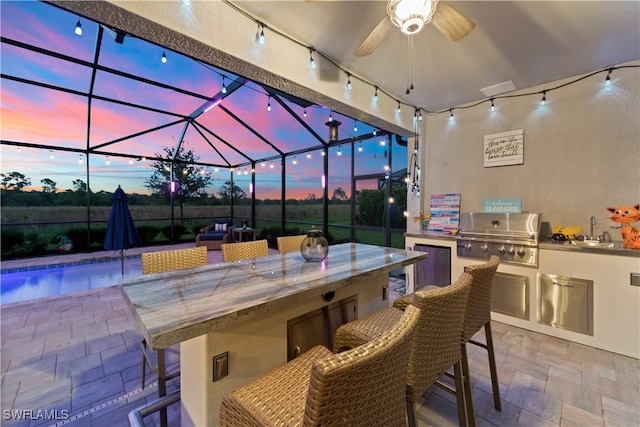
[{"x": 215, "y": 235}]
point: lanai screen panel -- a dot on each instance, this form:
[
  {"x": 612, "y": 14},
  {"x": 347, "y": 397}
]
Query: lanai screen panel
[
  {"x": 57, "y": 119},
  {"x": 47, "y": 27}
]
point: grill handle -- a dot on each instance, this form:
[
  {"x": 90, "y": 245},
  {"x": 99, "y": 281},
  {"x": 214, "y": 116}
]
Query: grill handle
[{"x": 495, "y": 235}]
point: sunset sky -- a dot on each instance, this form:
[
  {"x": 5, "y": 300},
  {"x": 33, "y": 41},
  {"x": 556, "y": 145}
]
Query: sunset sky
[{"x": 56, "y": 118}]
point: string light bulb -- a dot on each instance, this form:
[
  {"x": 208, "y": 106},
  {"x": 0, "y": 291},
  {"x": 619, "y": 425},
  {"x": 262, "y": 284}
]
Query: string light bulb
[
  {"x": 312, "y": 62},
  {"x": 544, "y": 97},
  {"x": 260, "y": 38},
  {"x": 304, "y": 113},
  {"x": 349, "y": 85},
  {"x": 607, "y": 79},
  {"x": 355, "y": 126},
  {"x": 330, "y": 116},
  {"x": 450, "y": 113},
  {"x": 398, "y": 109},
  {"x": 78, "y": 30},
  {"x": 163, "y": 59},
  {"x": 269, "y": 103},
  {"x": 339, "y": 151},
  {"x": 493, "y": 107},
  {"x": 419, "y": 115},
  {"x": 224, "y": 86},
  {"x": 375, "y": 94},
  {"x": 360, "y": 148}
]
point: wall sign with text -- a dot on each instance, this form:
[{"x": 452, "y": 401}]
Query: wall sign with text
[{"x": 502, "y": 149}]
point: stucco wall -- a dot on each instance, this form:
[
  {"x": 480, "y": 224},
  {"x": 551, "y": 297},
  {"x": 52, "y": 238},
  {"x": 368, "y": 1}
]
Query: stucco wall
[{"x": 581, "y": 151}]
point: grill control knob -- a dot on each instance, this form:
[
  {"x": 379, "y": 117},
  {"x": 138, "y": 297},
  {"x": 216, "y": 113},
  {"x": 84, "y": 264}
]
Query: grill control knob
[
  {"x": 502, "y": 249},
  {"x": 484, "y": 248},
  {"x": 511, "y": 250},
  {"x": 520, "y": 252}
]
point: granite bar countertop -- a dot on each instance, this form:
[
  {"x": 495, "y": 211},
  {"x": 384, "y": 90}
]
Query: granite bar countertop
[{"x": 176, "y": 306}]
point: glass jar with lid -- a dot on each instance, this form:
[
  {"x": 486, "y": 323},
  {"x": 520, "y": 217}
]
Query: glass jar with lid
[{"x": 314, "y": 247}]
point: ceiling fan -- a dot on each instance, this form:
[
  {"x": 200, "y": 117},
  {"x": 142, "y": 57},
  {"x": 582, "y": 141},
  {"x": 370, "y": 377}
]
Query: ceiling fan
[{"x": 411, "y": 16}]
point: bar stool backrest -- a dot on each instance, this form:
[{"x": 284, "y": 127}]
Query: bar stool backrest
[
  {"x": 436, "y": 344},
  {"x": 290, "y": 243},
  {"x": 479, "y": 309},
  {"x": 365, "y": 385},
  {"x": 177, "y": 259},
  {"x": 244, "y": 250}
]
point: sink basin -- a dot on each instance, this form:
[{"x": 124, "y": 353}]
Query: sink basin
[{"x": 593, "y": 244}]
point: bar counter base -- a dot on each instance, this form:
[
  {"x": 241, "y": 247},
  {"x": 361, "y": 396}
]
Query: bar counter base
[{"x": 255, "y": 348}]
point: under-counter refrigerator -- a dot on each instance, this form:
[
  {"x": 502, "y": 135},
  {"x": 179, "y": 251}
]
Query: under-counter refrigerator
[{"x": 436, "y": 269}]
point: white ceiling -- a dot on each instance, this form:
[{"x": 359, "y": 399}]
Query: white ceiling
[{"x": 527, "y": 42}]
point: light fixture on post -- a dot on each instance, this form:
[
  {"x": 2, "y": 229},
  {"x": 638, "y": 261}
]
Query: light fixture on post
[
  {"x": 78, "y": 30},
  {"x": 411, "y": 15}
]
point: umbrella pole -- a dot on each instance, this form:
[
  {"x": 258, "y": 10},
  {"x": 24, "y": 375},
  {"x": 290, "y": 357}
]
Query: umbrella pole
[{"x": 122, "y": 260}]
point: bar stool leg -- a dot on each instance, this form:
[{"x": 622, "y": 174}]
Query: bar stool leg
[
  {"x": 464, "y": 417},
  {"x": 492, "y": 367},
  {"x": 162, "y": 386},
  {"x": 466, "y": 377}
]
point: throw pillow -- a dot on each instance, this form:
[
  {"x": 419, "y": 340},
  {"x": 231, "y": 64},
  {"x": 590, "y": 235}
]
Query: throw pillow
[{"x": 220, "y": 227}]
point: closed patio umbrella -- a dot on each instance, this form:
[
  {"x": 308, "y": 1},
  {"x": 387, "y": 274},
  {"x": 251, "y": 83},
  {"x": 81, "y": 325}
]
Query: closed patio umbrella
[{"x": 121, "y": 231}]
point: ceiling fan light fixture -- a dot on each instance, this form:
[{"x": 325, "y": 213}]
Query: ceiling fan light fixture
[{"x": 411, "y": 15}]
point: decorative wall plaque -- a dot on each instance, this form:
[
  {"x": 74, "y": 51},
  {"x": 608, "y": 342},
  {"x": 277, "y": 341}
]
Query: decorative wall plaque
[{"x": 502, "y": 149}]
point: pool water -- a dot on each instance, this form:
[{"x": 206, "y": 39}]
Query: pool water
[{"x": 31, "y": 284}]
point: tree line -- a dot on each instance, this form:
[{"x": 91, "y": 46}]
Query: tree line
[{"x": 180, "y": 180}]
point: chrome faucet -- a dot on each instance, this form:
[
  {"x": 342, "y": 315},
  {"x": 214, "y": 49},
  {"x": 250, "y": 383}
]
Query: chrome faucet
[{"x": 593, "y": 223}]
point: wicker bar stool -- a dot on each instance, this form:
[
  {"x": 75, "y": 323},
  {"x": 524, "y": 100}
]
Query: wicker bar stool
[
  {"x": 244, "y": 250},
  {"x": 436, "y": 342},
  {"x": 160, "y": 262},
  {"x": 364, "y": 386},
  {"x": 290, "y": 243},
  {"x": 478, "y": 315}
]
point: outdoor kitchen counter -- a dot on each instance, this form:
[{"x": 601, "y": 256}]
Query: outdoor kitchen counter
[
  {"x": 238, "y": 313},
  {"x": 615, "y": 249},
  {"x": 176, "y": 306}
]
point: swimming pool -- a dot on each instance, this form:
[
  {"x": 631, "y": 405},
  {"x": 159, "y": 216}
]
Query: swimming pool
[{"x": 28, "y": 284}]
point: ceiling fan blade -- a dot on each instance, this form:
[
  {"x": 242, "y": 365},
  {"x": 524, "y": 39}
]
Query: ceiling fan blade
[
  {"x": 374, "y": 38},
  {"x": 451, "y": 23}
]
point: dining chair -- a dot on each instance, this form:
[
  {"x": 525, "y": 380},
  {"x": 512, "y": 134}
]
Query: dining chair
[
  {"x": 289, "y": 243},
  {"x": 363, "y": 386},
  {"x": 436, "y": 341},
  {"x": 160, "y": 262},
  {"x": 477, "y": 316},
  {"x": 244, "y": 250}
]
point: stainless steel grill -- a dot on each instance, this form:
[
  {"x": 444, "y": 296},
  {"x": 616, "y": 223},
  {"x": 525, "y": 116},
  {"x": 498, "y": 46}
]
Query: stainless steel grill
[{"x": 512, "y": 237}]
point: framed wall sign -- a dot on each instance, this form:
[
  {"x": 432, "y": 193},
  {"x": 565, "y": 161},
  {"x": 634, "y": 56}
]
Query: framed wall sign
[{"x": 502, "y": 149}]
